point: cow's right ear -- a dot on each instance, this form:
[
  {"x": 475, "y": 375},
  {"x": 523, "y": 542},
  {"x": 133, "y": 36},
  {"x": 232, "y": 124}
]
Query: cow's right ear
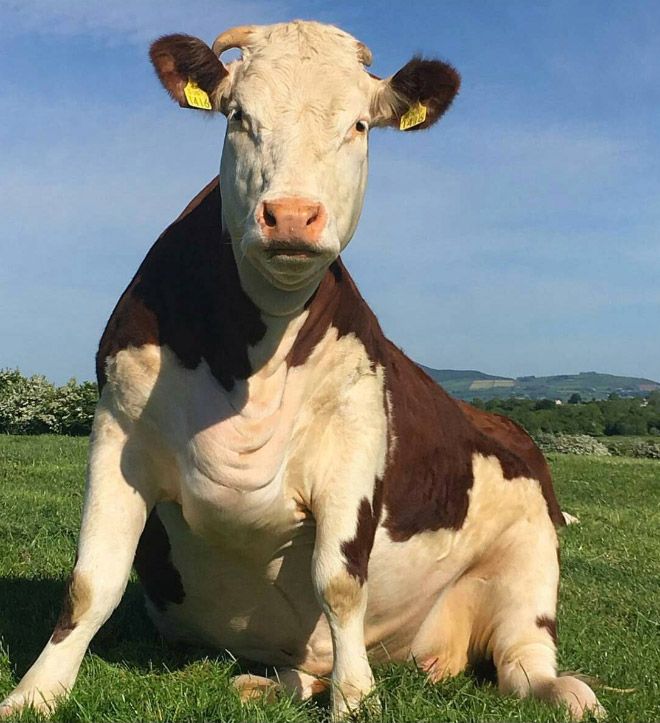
[{"x": 189, "y": 71}]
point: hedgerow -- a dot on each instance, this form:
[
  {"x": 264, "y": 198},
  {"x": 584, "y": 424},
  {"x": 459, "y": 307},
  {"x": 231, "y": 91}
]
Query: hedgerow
[
  {"x": 33, "y": 405},
  {"x": 581, "y": 444}
]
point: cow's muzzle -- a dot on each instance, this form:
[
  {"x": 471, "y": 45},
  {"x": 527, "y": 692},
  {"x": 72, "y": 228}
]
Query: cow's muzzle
[{"x": 291, "y": 226}]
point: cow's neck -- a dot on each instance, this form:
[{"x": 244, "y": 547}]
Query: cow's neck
[
  {"x": 274, "y": 302},
  {"x": 272, "y": 351}
]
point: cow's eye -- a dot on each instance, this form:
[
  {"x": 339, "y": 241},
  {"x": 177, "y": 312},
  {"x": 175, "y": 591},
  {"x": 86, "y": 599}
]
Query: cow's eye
[
  {"x": 236, "y": 116},
  {"x": 361, "y": 126}
]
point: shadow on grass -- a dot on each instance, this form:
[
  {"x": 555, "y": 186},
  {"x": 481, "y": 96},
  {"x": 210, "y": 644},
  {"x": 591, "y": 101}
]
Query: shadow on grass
[{"x": 29, "y": 609}]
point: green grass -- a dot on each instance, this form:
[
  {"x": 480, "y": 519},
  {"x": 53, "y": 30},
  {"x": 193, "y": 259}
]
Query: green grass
[{"x": 609, "y": 616}]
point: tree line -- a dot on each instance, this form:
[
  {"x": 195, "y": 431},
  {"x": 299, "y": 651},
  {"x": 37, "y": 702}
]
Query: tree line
[
  {"x": 33, "y": 405},
  {"x": 605, "y": 417}
]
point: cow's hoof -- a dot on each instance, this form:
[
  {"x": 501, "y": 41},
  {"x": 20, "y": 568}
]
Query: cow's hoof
[
  {"x": 575, "y": 695},
  {"x": 347, "y": 708},
  {"x": 255, "y": 687},
  {"x": 15, "y": 704},
  {"x": 6, "y": 709}
]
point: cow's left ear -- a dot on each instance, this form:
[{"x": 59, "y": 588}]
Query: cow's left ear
[{"x": 416, "y": 96}]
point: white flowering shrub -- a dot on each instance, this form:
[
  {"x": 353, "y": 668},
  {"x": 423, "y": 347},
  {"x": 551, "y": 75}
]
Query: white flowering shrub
[
  {"x": 25, "y": 403},
  {"x": 73, "y": 407},
  {"x": 581, "y": 444},
  {"x": 640, "y": 448},
  {"x": 32, "y": 405}
]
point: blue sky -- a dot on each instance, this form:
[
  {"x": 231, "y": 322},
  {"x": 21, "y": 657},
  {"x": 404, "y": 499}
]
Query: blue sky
[{"x": 520, "y": 236}]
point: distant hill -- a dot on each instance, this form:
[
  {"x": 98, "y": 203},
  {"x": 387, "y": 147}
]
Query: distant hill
[{"x": 469, "y": 384}]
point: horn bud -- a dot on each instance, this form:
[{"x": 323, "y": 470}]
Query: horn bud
[
  {"x": 364, "y": 54},
  {"x": 237, "y": 37}
]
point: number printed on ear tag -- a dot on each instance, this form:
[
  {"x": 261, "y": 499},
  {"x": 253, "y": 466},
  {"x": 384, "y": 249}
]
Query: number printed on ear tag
[
  {"x": 196, "y": 97},
  {"x": 415, "y": 115}
]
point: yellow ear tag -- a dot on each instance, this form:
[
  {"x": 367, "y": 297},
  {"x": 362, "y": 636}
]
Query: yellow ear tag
[
  {"x": 196, "y": 97},
  {"x": 415, "y": 115}
]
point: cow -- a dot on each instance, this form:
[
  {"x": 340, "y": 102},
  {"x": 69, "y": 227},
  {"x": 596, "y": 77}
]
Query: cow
[{"x": 287, "y": 483}]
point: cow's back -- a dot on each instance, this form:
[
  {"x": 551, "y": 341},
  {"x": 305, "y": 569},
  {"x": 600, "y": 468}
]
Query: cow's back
[{"x": 513, "y": 436}]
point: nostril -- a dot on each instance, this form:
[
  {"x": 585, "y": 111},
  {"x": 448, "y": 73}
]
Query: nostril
[
  {"x": 313, "y": 216},
  {"x": 269, "y": 218}
]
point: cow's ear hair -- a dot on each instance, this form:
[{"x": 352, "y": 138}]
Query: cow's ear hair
[
  {"x": 419, "y": 93},
  {"x": 180, "y": 59}
]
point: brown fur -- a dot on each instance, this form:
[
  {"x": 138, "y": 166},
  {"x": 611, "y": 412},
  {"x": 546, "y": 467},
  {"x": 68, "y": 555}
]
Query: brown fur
[
  {"x": 342, "y": 594},
  {"x": 186, "y": 294},
  {"x": 356, "y": 551},
  {"x": 512, "y": 435},
  {"x": 77, "y": 600},
  {"x": 429, "y": 471},
  {"x": 177, "y": 58},
  {"x": 550, "y": 624},
  {"x": 431, "y": 82}
]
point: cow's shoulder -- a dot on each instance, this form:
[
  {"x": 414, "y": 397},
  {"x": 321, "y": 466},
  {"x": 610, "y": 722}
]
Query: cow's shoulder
[
  {"x": 186, "y": 295},
  {"x": 431, "y": 469}
]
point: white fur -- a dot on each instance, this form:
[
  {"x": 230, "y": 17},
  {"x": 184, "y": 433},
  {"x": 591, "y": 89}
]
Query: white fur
[{"x": 301, "y": 89}]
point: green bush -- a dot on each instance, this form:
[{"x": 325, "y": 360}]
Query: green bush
[
  {"x": 73, "y": 407},
  {"x": 581, "y": 444},
  {"x": 32, "y": 405},
  {"x": 639, "y": 448}
]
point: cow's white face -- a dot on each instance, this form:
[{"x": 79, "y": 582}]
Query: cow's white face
[
  {"x": 299, "y": 106},
  {"x": 294, "y": 163}
]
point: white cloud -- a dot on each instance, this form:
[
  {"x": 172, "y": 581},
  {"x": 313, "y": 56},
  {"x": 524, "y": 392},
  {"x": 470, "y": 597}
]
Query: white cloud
[{"x": 135, "y": 21}]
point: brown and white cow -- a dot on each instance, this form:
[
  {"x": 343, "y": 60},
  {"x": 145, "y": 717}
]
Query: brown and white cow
[{"x": 289, "y": 485}]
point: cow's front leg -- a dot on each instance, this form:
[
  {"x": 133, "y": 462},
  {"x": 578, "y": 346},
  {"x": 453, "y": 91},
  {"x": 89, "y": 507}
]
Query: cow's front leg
[
  {"x": 345, "y": 528},
  {"x": 114, "y": 514}
]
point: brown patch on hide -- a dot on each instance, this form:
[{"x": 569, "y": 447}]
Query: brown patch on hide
[
  {"x": 433, "y": 440},
  {"x": 187, "y": 295},
  {"x": 550, "y": 624},
  {"x": 342, "y": 595},
  {"x": 160, "y": 579},
  {"x": 357, "y": 550},
  {"x": 77, "y": 600},
  {"x": 337, "y": 303},
  {"x": 512, "y": 436},
  {"x": 429, "y": 470}
]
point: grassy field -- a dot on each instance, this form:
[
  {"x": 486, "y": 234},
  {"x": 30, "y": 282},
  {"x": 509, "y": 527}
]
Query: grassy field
[{"x": 609, "y": 620}]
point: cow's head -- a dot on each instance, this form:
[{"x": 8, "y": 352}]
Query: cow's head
[{"x": 299, "y": 105}]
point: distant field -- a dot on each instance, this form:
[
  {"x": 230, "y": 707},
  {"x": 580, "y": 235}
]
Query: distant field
[
  {"x": 609, "y": 616},
  {"x": 468, "y": 383}
]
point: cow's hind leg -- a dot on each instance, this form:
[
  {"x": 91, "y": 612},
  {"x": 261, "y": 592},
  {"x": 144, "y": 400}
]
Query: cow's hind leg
[
  {"x": 516, "y": 620},
  {"x": 441, "y": 647},
  {"x": 113, "y": 518}
]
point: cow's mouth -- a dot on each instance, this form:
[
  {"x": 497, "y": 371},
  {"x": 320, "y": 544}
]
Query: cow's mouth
[
  {"x": 288, "y": 264},
  {"x": 292, "y": 250}
]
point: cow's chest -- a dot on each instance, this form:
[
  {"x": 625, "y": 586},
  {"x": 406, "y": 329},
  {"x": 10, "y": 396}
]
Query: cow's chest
[
  {"x": 244, "y": 460},
  {"x": 234, "y": 453}
]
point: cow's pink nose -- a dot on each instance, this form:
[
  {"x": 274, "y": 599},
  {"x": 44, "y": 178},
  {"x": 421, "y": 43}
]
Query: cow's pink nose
[{"x": 292, "y": 219}]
